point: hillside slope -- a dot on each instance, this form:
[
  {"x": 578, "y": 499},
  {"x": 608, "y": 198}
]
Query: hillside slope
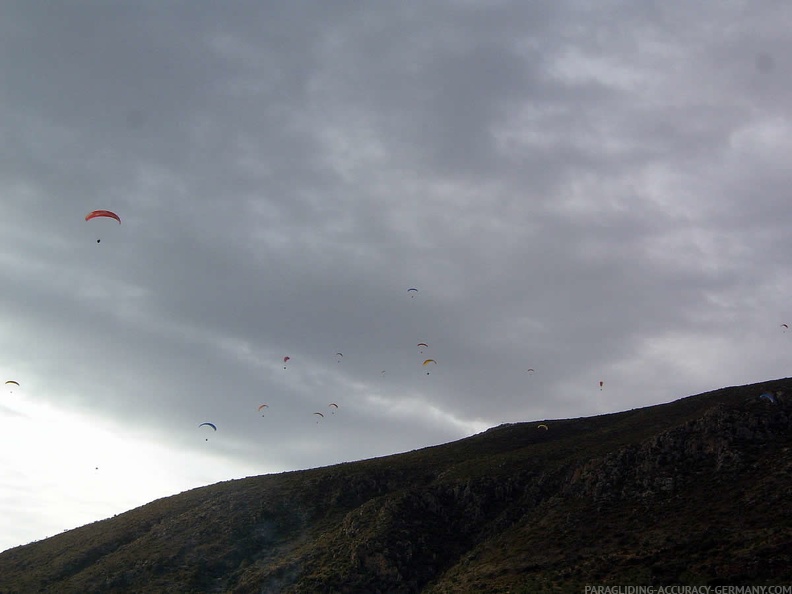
[{"x": 690, "y": 492}]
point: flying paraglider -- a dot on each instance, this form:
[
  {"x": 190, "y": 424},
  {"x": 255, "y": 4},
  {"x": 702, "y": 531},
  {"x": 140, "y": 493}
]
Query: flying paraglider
[
  {"x": 423, "y": 345},
  {"x": 285, "y": 359},
  {"x": 601, "y": 384},
  {"x": 16, "y": 383},
  {"x": 542, "y": 426},
  {"x": 425, "y": 363},
  {"x": 530, "y": 371},
  {"x": 212, "y": 425},
  {"x": 262, "y": 407},
  {"x": 339, "y": 356},
  {"x": 102, "y": 213},
  {"x": 769, "y": 397},
  {"x": 412, "y": 291},
  {"x": 333, "y": 405}
]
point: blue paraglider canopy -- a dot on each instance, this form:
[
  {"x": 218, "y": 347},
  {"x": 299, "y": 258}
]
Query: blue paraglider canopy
[{"x": 769, "y": 397}]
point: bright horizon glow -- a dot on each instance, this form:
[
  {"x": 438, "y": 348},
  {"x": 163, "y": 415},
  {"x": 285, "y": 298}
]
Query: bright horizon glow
[{"x": 87, "y": 470}]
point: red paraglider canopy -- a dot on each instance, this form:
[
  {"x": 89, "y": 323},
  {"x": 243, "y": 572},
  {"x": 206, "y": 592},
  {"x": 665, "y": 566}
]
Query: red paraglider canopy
[{"x": 102, "y": 213}]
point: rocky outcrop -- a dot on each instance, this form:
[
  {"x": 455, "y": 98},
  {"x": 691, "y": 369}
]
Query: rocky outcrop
[{"x": 672, "y": 460}]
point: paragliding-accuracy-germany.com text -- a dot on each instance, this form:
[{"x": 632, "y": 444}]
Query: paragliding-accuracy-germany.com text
[{"x": 687, "y": 589}]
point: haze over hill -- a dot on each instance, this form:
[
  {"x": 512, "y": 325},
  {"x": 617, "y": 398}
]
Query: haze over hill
[{"x": 690, "y": 492}]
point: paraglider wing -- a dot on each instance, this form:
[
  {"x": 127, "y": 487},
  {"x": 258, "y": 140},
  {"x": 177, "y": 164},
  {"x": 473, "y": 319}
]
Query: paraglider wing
[
  {"x": 12, "y": 382},
  {"x": 333, "y": 404},
  {"x": 263, "y": 406},
  {"x": 531, "y": 370},
  {"x": 212, "y": 425},
  {"x": 102, "y": 213},
  {"x": 425, "y": 363},
  {"x": 769, "y": 397},
  {"x": 542, "y": 426}
]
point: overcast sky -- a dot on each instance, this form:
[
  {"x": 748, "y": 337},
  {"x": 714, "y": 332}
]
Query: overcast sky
[{"x": 595, "y": 192}]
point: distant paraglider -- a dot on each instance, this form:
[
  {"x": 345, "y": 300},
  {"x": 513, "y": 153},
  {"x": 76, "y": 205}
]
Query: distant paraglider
[
  {"x": 94, "y": 214},
  {"x": 542, "y": 426},
  {"x": 334, "y": 406},
  {"x": 412, "y": 291},
  {"x": 601, "y": 384},
  {"x": 339, "y": 356},
  {"x": 320, "y": 415},
  {"x": 285, "y": 360},
  {"x": 422, "y": 346},
  {"x": 530, "y": 371},
  {"x": 262, "y": 407},
  {"x": 769, "y": 397},
  {"x": 427, "y": 362},
  {"x": 212, "y": 425}
]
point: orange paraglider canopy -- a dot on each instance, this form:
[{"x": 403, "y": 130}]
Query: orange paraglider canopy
[{"x": 102, "y": 213}]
